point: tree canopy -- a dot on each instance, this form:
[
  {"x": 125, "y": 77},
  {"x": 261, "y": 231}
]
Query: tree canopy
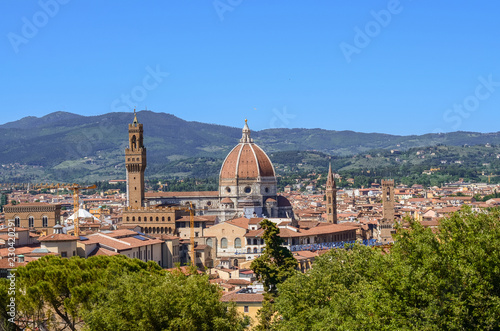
[
  {"x": 117, "y": 293},
  {"x": 429, "y": 280},
  {"x": 276, "y": 263}
]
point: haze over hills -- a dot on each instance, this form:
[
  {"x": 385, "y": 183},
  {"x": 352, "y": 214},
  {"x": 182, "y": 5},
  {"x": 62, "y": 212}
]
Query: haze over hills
[{"x": 63, "y": 146}]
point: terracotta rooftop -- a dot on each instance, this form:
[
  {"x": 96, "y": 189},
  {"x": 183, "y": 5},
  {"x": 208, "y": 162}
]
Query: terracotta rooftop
[
  {"x": 242, "y": 297},
  {"x": 181, "y": 194},
  {"x": 58, "y": 237},
  {"x": 241, "y": 222}
]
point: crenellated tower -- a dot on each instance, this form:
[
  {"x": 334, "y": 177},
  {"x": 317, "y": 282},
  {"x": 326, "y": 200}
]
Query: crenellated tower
[
  {"x": 387, "y": 222},
  {"x": 331, "y": 197},
  {"x": 135, "y": 161}
]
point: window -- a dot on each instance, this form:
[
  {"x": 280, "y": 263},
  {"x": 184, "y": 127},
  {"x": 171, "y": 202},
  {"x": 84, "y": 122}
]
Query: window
[
  {"x": 31, "y": 222},
  {"x": 255, "y": 242},
  {"x": 151, "y": 219},
  {"x": 133, "y": 218},
  {"x": 249, "y": 241},
  {"x": 196, "y": 234},
  {"x": 139, "y": 218},
  {"x": 237, "y": 243},
  {"x": 248, "y": 189},
  {"x": 245, "y": 309},
  {"x": 128, "y": 219},
  {"x": 223, "y": 243},
  {"x": 64, "y": 254},
  {"x": 267, "y": 189},
  {"x": 209, "y": 242},
  {"x": 45, "y": 221},
  {"x": 17, "y": 221},
  {"x": 168, "y": 218},
  {"x": 255, "y": 250},
  {"x": 228, "y": 190},
  {"x": 157, "y": 219},
  {"x": 163, "y": 218}
]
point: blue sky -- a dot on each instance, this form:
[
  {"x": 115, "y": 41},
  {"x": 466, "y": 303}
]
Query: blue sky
[{"x": 400, "y": 67}]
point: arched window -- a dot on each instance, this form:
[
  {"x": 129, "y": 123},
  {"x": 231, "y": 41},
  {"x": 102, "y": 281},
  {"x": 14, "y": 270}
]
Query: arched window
[
  {"x": 133, "y": 218},
  {"x": 237, "y": 243},
  {"x": 128, "y": 219},
  {"x": 157, "y": 219},
  {"x": 134, "y": 142},
  {"x": 17, "y": 221},
  {"x": 45, "y": 221},
  {"x": 139, "y": 218},
  {"x": 329, "y": 199},
  {"x": 168, "y": 218},
  {"x": 255, "y": 242},
  {"x": 163, "y": 218},
  {"x": 209, "y": 242},
  {"x": 31, "y": 222},
  {"x": 249, "y": 250},
  {"x": 223, "y": 243},
  {"x": 151, "y": 219},
  {"x": 255, "y": 250}
]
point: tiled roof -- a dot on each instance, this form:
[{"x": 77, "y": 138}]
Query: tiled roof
[
  {"x": 243, "y": 297},
  {"x": 58, "y": 237},
  {"x": 182, "y": 194},
  {"x": 241, "y": 222}
]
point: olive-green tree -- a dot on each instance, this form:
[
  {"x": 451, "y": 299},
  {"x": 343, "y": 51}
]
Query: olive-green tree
[
  {"x": 429, "y": 280},
  {"x": 273, "y": 267}
]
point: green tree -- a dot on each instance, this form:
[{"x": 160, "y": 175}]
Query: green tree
[
  {"x": 444, "y": 280},
  {"x": 276, "y": 263},
  {"x": 117, "y": 293},
  {"x": 171, "y": 301},
  {"x": 273, "y": 267}
]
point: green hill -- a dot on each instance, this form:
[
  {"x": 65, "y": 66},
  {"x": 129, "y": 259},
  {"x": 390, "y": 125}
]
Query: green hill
[{"x": 68, "y": 147}]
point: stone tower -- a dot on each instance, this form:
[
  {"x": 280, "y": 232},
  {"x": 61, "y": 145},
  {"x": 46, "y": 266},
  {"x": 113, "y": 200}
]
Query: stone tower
[
  {"x": 135, "y": 161},
  {"x": 331, "y": 197},
  {"x": 387, "y": 222},
  {"x": 388, "y": 199}
]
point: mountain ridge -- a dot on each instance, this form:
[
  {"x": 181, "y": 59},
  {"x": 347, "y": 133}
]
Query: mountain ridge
[{"x": 62, "y": 142}]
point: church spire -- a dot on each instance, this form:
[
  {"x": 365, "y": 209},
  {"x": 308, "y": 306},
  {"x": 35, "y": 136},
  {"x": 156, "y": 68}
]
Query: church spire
[
  {"x": 245, "y": 137},
  {"x": 331, "y": 197},
  {"x": 330, "y": 181}
]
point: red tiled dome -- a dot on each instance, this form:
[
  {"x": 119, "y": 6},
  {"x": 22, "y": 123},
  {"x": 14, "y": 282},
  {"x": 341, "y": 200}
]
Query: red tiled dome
[{"x": 246, "y": 160}]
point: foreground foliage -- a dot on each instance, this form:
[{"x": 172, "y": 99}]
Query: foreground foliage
[
  {"x": 273, "y": 267},
  {"x": 449, "y": 280},
  {"x": 118, "y": 293}
]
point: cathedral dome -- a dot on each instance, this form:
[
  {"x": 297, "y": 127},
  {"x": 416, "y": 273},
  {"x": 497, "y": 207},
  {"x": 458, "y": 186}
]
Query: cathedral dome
[{"x": 246, "y": 160}]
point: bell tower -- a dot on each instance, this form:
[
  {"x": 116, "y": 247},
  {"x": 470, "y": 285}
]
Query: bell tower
[
  {"x": 387, "y": 222},
  {"x": 135, "y": 161},
  {"x": 331, "y": 197}
]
